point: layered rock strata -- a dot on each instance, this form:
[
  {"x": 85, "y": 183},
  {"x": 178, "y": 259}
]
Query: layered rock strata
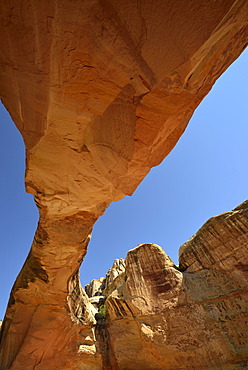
[
  {"x": 101, "y": 91},
  {"x": 194, "y": 316}
]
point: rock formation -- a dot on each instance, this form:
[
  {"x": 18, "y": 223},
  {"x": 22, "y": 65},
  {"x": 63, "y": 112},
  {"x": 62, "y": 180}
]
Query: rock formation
[
  {"x": 101, "y": 91},
  {"x": 98, "y": 287},
  {"x": 194, "y": 316}
]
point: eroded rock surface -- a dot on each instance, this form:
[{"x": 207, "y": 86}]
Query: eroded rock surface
[
  {"x": 101, "y": 91},
  {"x": 192, "y": 317},
  {"x": 101, "y": 286},
  {"x": 96, "y": 287}
]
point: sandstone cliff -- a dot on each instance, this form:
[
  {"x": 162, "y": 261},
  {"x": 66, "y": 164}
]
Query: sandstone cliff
[
  {"x": 195, "y": 316},
  {"x": 101, "y": 91}
]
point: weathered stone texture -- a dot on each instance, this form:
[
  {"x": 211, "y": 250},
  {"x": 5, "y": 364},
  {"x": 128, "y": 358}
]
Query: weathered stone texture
[
  {"x": 98, "y": 287},
  {"x": 162, "y": 317},
  {"x": 101, "y": 91}
]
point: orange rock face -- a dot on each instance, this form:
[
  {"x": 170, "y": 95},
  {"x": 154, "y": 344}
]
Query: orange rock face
[
  {"x": 191, "y": 317},
  {"x": 101, "y": 92}
]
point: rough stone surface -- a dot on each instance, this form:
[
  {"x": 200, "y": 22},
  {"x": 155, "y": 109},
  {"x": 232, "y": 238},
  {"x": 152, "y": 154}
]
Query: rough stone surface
[
  {"x": 101, "y": 91},
  {"x": 114, "y": 275},
  {"x": 96, "y": 287},
  {"x": 194, "y": 317}
]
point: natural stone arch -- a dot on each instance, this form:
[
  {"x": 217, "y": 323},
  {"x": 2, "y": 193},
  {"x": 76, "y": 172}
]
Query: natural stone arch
[{"x": 110, "y": 88}]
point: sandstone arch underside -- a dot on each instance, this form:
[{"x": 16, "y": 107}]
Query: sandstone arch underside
[{"x": 101, "y": 91}]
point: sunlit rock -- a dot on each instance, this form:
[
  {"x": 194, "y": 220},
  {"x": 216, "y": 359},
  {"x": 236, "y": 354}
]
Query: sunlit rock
[{"x": 101, "y": 91}]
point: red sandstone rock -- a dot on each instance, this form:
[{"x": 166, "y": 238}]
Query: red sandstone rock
[
  {"x": 101, "y": 92},
  {"x": 162, "y": 317}
]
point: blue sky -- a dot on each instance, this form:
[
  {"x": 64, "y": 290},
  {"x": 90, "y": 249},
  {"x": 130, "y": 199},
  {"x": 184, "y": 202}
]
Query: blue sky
[{"x": 205, "y": 175}]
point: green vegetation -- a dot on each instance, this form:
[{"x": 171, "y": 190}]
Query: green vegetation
[{"x": 102, "y": 311}]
